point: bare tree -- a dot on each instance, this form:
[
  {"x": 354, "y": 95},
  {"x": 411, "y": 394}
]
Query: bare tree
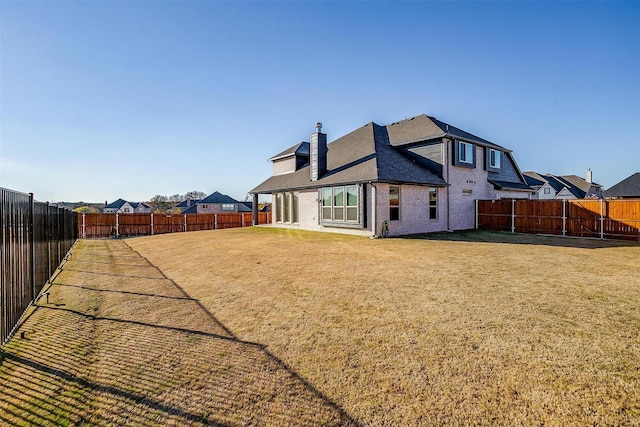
[
  {"x": 160, "y": 203},
  {"x": 195, "y": 195}
]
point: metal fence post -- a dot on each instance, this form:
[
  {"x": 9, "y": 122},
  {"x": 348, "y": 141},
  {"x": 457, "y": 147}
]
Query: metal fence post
[
  {"x": 84, "y": 229},
  {"x": 32, "y": 249},
  {"x": 117, "y": 226},
  {"x": 477, "y": 213},
  {"x": 513, "y": 215},
  {"x": 185, "y": 223},
  {"x": 215, "y": 221},
  {"x": 152, "y": 223}
]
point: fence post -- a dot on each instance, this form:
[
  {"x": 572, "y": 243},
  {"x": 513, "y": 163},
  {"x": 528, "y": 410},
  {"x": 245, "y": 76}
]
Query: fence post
[
  {"x": 564, "y": 217},
  {"x": 601, "y": 220},
  {"x": 215, "y": 221},
  {"x": 32, "y": 249},
  {"x": 185, "y": 223},
  {"x": 513, "y": 215},
  {"x": 117, "y": 226},
  {"x": 242, "y": 219},
  {"x": 84, "y": 227},
  {"x": 152, "y": 223}
]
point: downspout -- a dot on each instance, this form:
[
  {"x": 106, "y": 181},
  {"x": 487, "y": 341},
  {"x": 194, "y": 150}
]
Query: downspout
[{"x": 446, "y": 178}]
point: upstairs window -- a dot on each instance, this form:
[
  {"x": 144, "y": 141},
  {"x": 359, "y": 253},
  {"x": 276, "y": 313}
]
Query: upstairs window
[
  {"x": 494, "y": 158},
  {"x": 465, "y": 152},
  {"x": 228, "y": 207}
]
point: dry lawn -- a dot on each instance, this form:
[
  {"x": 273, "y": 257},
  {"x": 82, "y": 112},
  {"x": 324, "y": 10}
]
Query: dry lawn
[{"x": 264, "y": 326}]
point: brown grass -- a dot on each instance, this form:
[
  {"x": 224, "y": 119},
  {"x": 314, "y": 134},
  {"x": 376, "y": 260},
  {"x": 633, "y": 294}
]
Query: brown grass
[{"x": 266, "y": 326}]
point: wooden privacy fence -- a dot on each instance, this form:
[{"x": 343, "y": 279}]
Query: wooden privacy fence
[
  {"x": 108, "y": 225},
  {"x": 611, "y": 219}
]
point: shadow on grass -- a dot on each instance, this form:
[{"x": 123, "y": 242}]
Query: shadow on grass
[
  {"x": 483, "y": 236},
  {"x": 118, "y": 354}
]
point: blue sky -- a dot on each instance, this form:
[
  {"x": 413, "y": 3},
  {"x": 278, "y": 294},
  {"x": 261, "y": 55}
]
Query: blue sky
[{"x": 107, "y": 99}]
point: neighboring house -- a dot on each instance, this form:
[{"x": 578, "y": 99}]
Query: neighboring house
[
  {"x": 626, "y": 189},
  {"x": 123, "y": 206},
  {"x": 414, "y": 176},
  {"x": 551, "y": 186},
  {"x": 217, "y": 203},
  {"x": 185, "y": 204}
]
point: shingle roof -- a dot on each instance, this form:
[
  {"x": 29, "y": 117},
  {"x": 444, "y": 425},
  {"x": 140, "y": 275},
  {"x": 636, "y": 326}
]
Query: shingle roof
[
  {"x": 301, "y": 148},
  {"x": 504, "y": 185},
  {"x": 187, "y": 203},
  {"x": 579, "y": 182},
  {"x": 360, "y": 156},
  {"x": 218, "y": 198},
  {"x": 116, "y": 205},
  {"x": 533, "y": 178},
  {"x": 424, "y": 128},
  {"x": 628, "y": 187}
]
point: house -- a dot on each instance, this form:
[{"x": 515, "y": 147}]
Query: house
[
  {"x": 123, "y": 206},
  {"x": 216, "y": 203},
  {"x": 551, "y": 186},
  {"x": 625, "y": 189},
  {"x": 417, "y": 175}
]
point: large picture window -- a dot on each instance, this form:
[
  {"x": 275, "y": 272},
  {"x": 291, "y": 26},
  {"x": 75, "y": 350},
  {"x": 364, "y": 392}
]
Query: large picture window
[
  {"x": 394, "y": 203},
  {"x": 340, "y": 204}
]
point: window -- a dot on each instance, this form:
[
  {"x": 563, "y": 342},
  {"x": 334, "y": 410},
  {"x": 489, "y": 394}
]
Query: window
[
  {"x": 228, "y": 207},
  {"x": 394, "y": 203},
  {"x": 326, "y": 204},
  {"x": 494, "y": 158},
  {"x": 340, "y": 204},
  {"x": 465, "y": 152},
  {"x": 205, "y": 207},
  {"x": 547, "y": 190},
  {"x": 352, "y": 203},
  {"x": 433, "y": 203}
]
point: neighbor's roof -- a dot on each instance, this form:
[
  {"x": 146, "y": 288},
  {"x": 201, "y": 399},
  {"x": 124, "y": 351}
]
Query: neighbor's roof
[
  {"x": 505, "y": 185},
  {"x": 218, "y": 198},
  {"x": 187, "y": 203},
  {"x": 579, "y": 182},
  {"x": 116, "y": 205},
  {"x": 361, "y": 156},
  {"x": 533, "y": 178},
  {"x": 628, "y": 187}
]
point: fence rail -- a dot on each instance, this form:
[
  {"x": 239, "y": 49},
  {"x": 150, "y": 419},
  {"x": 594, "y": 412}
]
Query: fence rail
[
  {"x": 34, "y": 240},
  {"x": 108, "y": 225},
  {"x": 610, "y": 219}
]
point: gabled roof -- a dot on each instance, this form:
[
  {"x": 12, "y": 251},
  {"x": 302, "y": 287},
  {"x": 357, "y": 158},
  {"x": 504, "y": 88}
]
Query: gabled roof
[
  {"x": 217, "y": 198},
  {"x": 628, "y": 187},
  {"x": 300, "y": 149},
  {"x": 116, "y": 205},
  {"x": 579, "y": 182},
  {"x": 533, "y": 178},
  {"x": 425, "y": 128},
  {"x": 360, "y": 156},
  {"x": 505, "y": 185},
  {"x": 187, "y": 203}
]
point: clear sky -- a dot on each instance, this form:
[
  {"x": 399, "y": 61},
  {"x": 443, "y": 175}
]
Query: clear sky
[{"x": 102, "y": 100}]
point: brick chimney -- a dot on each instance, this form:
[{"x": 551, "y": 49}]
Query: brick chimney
[{"x": 318, "y": 153}]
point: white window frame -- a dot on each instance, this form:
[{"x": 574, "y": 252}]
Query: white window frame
[
  {"x": 495, "y": 158},
  {"x": 329, "y": 194},
  {"x": 433, "y": 203},
  {"x": 228, "y": 207},
  {"x": 465, "y": 152}
]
